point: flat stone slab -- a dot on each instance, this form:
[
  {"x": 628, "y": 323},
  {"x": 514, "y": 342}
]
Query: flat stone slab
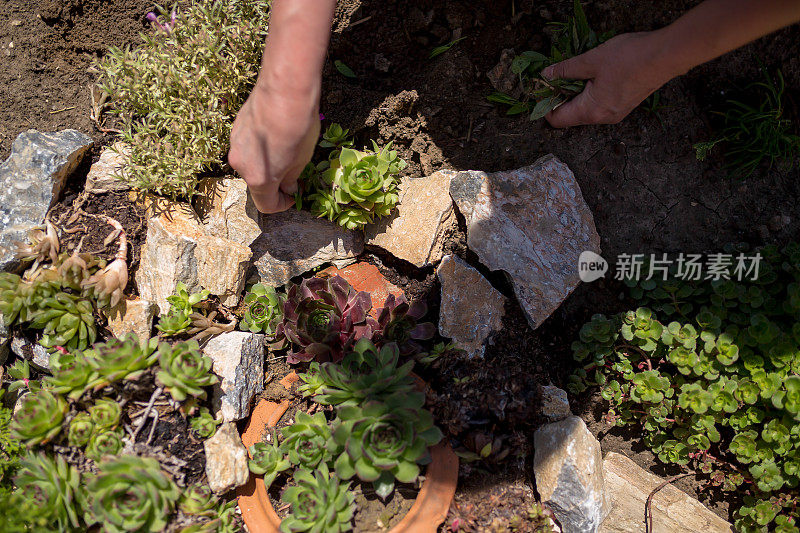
[
  {"x": 471, "y": 309},
  {"x": 227, "y": 210},
  {"x": 104, "y": 174},
  {"x": 132, "y": 316},
  {"x": 531, "y": 223},
  {"x": 238, "y": 360},
  {"x": 31, "y": 180},
  {"x": 226, "y": 459},
  {"x": 294, "y": 242},
  {"x": 628, "y": 486}
]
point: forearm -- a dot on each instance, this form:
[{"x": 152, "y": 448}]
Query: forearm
[
  {"x": 296, "y": 48},
  {"x": 716, "y": 27}
]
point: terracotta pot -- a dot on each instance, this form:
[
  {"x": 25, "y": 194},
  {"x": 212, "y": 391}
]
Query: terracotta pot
[{"x": 429, "y": 509}]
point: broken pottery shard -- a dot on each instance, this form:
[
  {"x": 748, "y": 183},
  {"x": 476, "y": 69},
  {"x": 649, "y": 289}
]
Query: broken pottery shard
[
  {"x": 423, "y": 218},
  {"x": 31, "y": 180},
  {"x": 132, "y": 316},
  {"x": 471, "y": 308},
  {"x": 628, "y": 486},
  {"x": 226, "y": 459},
  {"x": 533, "y": 224},
  {"x": 227, "y": 210},
  {"x": 294, "y": 242},
  {"x": 364, "y": 277},
  {"x": 178, "y": 249},
  {"x": 555, "y": 404},
  {"x": 238, "y": 360},
  {"x": 104, "y": 174},
  {"x": 568, "y": 466}
]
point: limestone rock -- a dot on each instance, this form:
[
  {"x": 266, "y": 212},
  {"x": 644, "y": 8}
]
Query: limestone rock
[
  {"x": 227, "y": 210},
  {"x": 31, "y": 180},
  {"x": 555, "y": 404},
  {"x": 569, "y": 474},
  {"x": 423, "y": 218},
  {"x": 674, "y": 511},
  {"x": 226, "y": 459},
  {"x": 533, "y": 224},
  {"x": 132, "y": 316},
  {"x": 471, "y": 308},
  {"x": 177, "y": 248},
  {"x": 33, "y": 352},
  {"x": 294, "y": 242},
  {"x": 238, "y": 358},
  {"x": 104, "y": 174}
]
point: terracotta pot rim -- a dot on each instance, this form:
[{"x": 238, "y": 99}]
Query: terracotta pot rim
[{"x": 428, "y": 511}]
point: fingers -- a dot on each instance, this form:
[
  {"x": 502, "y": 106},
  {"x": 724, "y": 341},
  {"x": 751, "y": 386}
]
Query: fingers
[
  {"x": 575, "y": 112},
  {"x": 272, "y": 201},
  {"x": 575, "y": 68}
]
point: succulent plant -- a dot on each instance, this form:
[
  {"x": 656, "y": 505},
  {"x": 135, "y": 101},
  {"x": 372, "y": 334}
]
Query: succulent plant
[
  {"x": 105, "y": 414},
  {"x": 104, "y": 442},
  {"x": 323, "y": 318},
  {"x": 56, "y": 487},
  {"x": 20, "y": 371},
  {"x": 67, "y": 320},
  {"x": 224, "y": 521},
  {"x": 44, "y": 245},
  {"x": 39, "y": 417},
  {"x": 305, "y": 442},
  {"x": 177, "y": 320},
  {"x": 384, "y": 441},
  {"x": 107, "y": 284},
  {"x": 205, "y": 326},
  {"x": 268, "y": 460},
  {"x": 264, "y": 310},
  {"x": 76, "y": 268},
  {"x": 320, "y": 502},
  {"x": 72, "y": 375},
  {"x": 398, "y": 323},
  {"x": 204, "y": 424},
  {"x": 131, "y": 494},
  {"x": 364, "y": 373},
  {"x": 184, "y": 370},
  {"x": 20, "y": 299},
  {"x": 198, "y": 500},
  {"x": 117, "y": 359},
  {"x": 80, "y": 430}
]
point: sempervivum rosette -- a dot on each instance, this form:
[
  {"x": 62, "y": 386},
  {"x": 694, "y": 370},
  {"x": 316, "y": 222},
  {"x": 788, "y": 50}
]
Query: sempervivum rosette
[{"x": 398, "y": 322}]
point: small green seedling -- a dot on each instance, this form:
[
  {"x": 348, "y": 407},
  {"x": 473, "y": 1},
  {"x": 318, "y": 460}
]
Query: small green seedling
[{"x": 439, "y": 50}]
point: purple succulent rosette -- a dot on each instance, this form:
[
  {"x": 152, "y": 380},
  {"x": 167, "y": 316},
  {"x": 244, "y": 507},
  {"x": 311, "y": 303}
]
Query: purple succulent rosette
[{"x": 398, "y": 322}]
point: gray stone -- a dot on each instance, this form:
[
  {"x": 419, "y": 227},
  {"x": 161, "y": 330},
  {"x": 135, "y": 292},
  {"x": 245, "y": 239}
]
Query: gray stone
[
  {"x": 674, "y": 511},
  {"x": 555, "y": 404},
  {"x": 502, "y": 77},
  {"x": 471, "y": 309},
  {"x": 568, "y": 466},
  {"x": 31, "y": 180},
  {"x": 294, "y": 242},
  {"x": 226, "y": 459},
  {"x": 4, "y": 341},
  {"x": 132, "y": 316},
  {"x": 227, "y": 210},
  {"x": 104, "y": 174},
  {"x": 423, "y": 218},
  {"x": 33, "y": 352},
  {"x": 238, "y": 358},
  {"x": 532, "y": 223}
]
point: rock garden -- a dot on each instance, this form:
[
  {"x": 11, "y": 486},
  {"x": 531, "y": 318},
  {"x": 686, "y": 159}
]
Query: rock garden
[{"x": 411, "y": 348}]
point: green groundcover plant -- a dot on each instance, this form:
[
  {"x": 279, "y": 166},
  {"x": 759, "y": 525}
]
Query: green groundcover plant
[{"x": 710, "y": 370}]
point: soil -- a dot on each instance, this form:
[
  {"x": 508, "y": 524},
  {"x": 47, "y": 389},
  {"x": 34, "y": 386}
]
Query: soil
[{"x": 647, "y": 191}]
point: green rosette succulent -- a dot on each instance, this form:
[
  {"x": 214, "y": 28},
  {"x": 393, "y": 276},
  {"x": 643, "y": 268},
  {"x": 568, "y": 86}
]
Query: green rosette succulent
[
  {"x": 105, "y": 414},
  {"x": 104, "y": 442},
  {"x": 305, "y": 442},
  {"x": 131, "y": 494},
  {"x": 125, "y": 359},
  {"x": 204, "y": 424},
  {"x": 320, "y": 503},
  {"x": 178, "y": 319},
  {"x": 267, "y": 460},
  {"x": 55, "y": 486},
  {"x": 198, "y": 500},
  {"x": 223, "y": 521},
  {"x": 67, "y": 320},
  {"x": 39, "y": 417},
  {"x": 20, "y": 300},
  {"x": 184, "y": 370},
  {"x": 384, "y": 441},
  {"x": 80, "y": 430},
  {"x": 264, "y": 310},
  {"x": 72, "y": 375},
  {"x": 365, "y": 373}
]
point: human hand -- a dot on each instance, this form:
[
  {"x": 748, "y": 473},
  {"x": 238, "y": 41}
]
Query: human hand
[
  {"x": 272, "y": 140},
  {"x": 620, "y": 74}
]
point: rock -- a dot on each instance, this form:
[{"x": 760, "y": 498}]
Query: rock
[
  {"x": 31, "y": 180},
  {"x": 226, "y": 459},
  {"x": 502, "y": 78},
  {"x": 132, "y": 316},
  {"x": 238, "y": 358},
  {"x": 569, "y": 474},
  {"x": 555, "y": 404},
  {"x": 531, "y": 223},
  {"x": 471, "y": 308},
  {"x": 674, "y": 511},
  {"x": 177, "y": 248},
  {"x": 294, "y": 242},
  {"x": 366, "y": 277},
  {"x": 227, "y": 210},
  {"x": 424, "y": 216},
  {"x": 4, "y": 341},
  {"x": 104, "y": 174},
  {"x": 33, "y": 352}
]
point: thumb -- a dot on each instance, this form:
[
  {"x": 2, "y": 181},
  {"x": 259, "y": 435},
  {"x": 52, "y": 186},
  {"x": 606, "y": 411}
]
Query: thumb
[
  {"x": 575, "y": 68},
  {"x": 575, "y": 112}
]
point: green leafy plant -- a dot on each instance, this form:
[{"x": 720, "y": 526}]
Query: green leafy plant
[
  {"x": 398, "y": 322},
  {"x": 20, "y": 371},
  {"x": 105, "y": 414},
  {"x": 121, "y": 359},
  {"x": 758, "y": 134},
  {"x": 131, "y": 494},
  {"x": 305, "y": 441},
  {"x": 709, "y": 371},
  {"x": 104, "y": 442},
  {"x": 198, "y": 500},
  {"x": 439, "y": 50},
  {"x": 179, "y": 317},
  {"x": 184, "y": 370},
  {"x": 39, "y": 417},
  {"x": 81, "y": 428},
  {"x": 343, "y": 69},
  {"x": 204, "y": 424},
  {"x": 268, "y": 460},
  {"x": 10, "y": 448},
  {"x": 319, "y": 502},
  {"x": 56, "y": 488},
  {"x": 264, "y": 310},
  {"x": 72, "y": 375},
  {"x": 178, "y": 92}
]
